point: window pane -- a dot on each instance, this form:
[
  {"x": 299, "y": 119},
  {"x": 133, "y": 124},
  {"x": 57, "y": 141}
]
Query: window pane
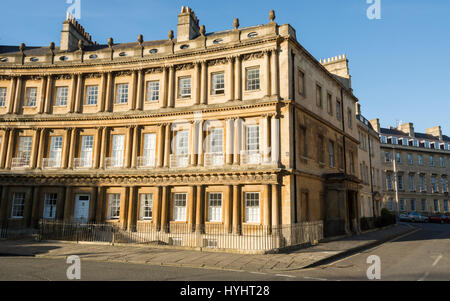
[
  {"x": 2, "y": 97},
  {"x": 18, "y": 205},
  {"x": 61, "y": 96},
  {"x": 146, "y": 206},
  {"x": 218, "y": 83},
  {"x": 184, "y": 87},
  {"x": 122, "y": 93},
  {"x": 50, "y": 205},
  {"x": 216, "y": 140},
  {"x": 215, "y": 207},
  {"x": 252, "y": 207},
  {"x": 179, "y": 206},
  {"x": 91, "y": 95},
  {"x": 252, "y": 138},
  {"x": 153, "y": 91},
  {"x": 253, "y": 79},
  {"x": 31, "y": 95},
  {"x": 114, "y": 205}
]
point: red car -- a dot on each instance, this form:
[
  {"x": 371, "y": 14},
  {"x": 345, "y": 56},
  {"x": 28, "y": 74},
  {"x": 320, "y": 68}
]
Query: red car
[{"x": 441, "y": 218}]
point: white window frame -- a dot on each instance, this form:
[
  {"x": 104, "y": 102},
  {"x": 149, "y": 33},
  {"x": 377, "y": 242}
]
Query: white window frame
[
  {"x": 3, "y": 93},
  {"x": 91, "y": 95},
  {"x": 122, "y": 93},
  {"x": 25, "y": 145},
  {"x": 113, "y": 205},
  {"x": 215, "y": 205},
  {"x": 62, "y": 94},
  {"x": 56, "y": 144},
  {"x": 50, "y": 203},
  {"x": 152, "y": 91},
  {"x": 18, "y": 205},
  {"x": 252, "y": 79},
  {"x": 146, "y": 206},
  {"x": 149, "y": 147},
  {"x": 30, "y": 96},
  {"x": 252, "y": 211},
  {"x": 118, "y": 147},
  {"x": 216, "y": 140},
  {"x": 218, "y": 83},
  {"x": 184, "y": 87},
  {"x": 179, "y": 207}
]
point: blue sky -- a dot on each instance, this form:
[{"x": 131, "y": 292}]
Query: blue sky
[{"x": 400, "y": 64}]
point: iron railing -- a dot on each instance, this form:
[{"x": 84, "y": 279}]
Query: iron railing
[
  {"x": 51, "y": 162},
  {"x": 214, "y": 159},
  {"x": 179, "y": 160},
  {"x": 251, "y": 157},
  {"x": 113, "y": 162},
  {"x": 82, "y": 163},
  {"x": 20, "y": 162},
  {"x": 145, "y": 162},
  {"x": 215, "y": 236}
]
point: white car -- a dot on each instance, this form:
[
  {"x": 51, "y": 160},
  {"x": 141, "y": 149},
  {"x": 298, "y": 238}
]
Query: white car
[{"x": 417, "y": 217}]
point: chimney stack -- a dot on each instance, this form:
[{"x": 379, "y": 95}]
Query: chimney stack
[
  {"x": 435, "y": 131},
  {"x": 407, "y": 128},
  {"x": 187, "y": 28},
  {"x": 72, "y": 33}
]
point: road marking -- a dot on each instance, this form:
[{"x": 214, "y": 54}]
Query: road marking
[
  {"x": 424, "y": 276},
  {"x": 437, "y": 260},
  {"x": 258, "y": 273},
  {"x": 281, "y": 275},
  {"x": 315, "y": 278}
]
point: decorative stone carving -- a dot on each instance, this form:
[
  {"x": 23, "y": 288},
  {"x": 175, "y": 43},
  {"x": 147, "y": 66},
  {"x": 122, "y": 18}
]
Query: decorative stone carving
[
  {"x": 221, "y": 61},
  {"x": 187, "y": 66},
  {"x": 252, "y": 56}
]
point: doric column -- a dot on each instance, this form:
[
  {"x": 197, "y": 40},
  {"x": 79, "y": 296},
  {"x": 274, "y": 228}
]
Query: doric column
[
  {"x": 230, "y": 75},
  {"x": 40, "y": 156},
  {"x": 267, "y": 206},
  {"x": 204, "y": 83},
  {"x": 103, "y": 147},
  {"x": 103, "y": 87},
  {"x": 10, "y": 152},
  {"x": 274, "y": 76},
  {"x": 268, "y": 84},
  {"x": 18, "y": 97},
  {"x": 12, "y": 93},
  {"x": 229, "y": 141},
  {"x": 79, "y": 97},
  {"x": 129, "y": 146},
  {"x": 167, "y": 144},
  {"x": 197, "y": 83},
  {"x": 228, "y": 205},
  {"x": 49, "y": 95},
  {"x": 73, "y": 95},
  {"x": 156, "y": 220},
  {"x": 266, "y": 139},
  {"x": 237, "y": 141},
  {"x": 193, "y": 144},
  {"x": 237, "y": 209},
  {"x": 133, "y": 89},
  {"x": 164, "y": 88},
  {"x": 135, "y": 149},
  {"x": 4, "y": 203},
  {"x": 238, "y": 78},
  {"x": 35, "y": 148},
  {"x": 97, "y": 148},
  {"x": 275, "y": 139},
  {"x": 123, "y": 215},
  {"x": 140, "y": 90},
  {"x": 109, "y": 93},
  {"x": 41, "y": 106},
  {"x": 275, "y": 205},
  {"x": 191, "y": 208},
  {"x": 4, "y": 147},
  {"x": 35, "y": 208},
  {"x": 200, "y": 158},
  {"x": 68, "y": 205},
  {"x": 132, "y": 209},
  {"x": 165, "y": 208},
  {"x": 100, "y": 204},
  {"x": 161, "y": 132},
  {"x": 73, "y": 135},
  {"x": 199, "y": 221},
  {"x": 171, "y": 90}
]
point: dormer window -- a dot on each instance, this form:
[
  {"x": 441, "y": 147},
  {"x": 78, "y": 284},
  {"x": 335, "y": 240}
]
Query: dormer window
[
  {"x": 123, "y": 54},
  {"x": 252, "y": 34},
  {"x": 34, "y": 59},
  {"x": 93, "y": 56},
  {"x": 3, "y": 59},
  {"x": 217, "y": 41},
  {"x": 185, "y": 46},
  {"x": 153, "y": 51},
  {"x": 63, "y": 58}
]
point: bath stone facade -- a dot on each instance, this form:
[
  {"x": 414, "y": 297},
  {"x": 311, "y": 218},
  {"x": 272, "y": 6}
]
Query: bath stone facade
[{"x": 238, "y": 127}]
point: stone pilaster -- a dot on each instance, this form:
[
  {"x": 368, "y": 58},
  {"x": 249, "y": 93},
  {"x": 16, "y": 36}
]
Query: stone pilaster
[
  {"x": 171, "y": 91},
  {"x": 204, "y": 83},
  {"x": 200, "y": 204},
  {"x": 11, "y": 148},
  {"x": 135, "y": 149},
  {"x": 274, "y": 76},
  {"x": 49, "y": 95},
  {"x": 268, "y": 84},
  {"x": 275, "y": 139},
  {"x": 41, "y": 103},
  {"x": 237, "y": 141},
  {"x": 35, "y": 148},
  {"x": 229, "y": 141},
  {"x": 237, "y": 220},
  {"x": 73, "y": 137},
  {"x": 18, "y": 97},
  {"x": 4, "y": 147},
  {"x": 275, "y": 205},
  {"x": 238, "y": 78},
  {"x": 42, "y": 143},
  {"x": 12, "y": 93},
  {"x": 140, "y": 90},
  {"x": 167, "y": 145},
  {"x": 165, "y": 202},
  {"x": 103, "y": 148}
]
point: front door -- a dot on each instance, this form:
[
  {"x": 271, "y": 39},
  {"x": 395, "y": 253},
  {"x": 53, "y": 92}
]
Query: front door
[{"x": 82, "y": 207}]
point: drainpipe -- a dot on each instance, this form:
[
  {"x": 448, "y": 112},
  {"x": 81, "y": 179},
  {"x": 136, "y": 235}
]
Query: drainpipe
[{"x": 294, "y": 134}]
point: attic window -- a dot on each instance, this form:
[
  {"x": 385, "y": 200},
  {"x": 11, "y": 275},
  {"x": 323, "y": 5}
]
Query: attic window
[
  {"x": 217, "y": 41},
  {"x": 123, "y": 54},
  {"x": 3, "y": 59},
  {"x": 153, "y": 51},
  {"x": 252, "y": 34},
  {"x": 34, "y": 59},
  {"x": 185, "y": 46},
  {"x": 63, "y": 58},
  {"x": 93, "y": 56}
]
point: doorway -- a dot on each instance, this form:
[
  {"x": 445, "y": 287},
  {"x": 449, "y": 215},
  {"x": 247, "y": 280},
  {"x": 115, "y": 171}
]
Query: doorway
[{"x": 82, "y": 208}]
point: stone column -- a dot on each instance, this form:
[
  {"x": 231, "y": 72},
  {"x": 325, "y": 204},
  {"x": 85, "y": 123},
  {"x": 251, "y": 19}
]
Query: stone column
[
  {"x": 230, "y": 76},
  {"x": 133, "y": 89},
  {"x": 160, "y": 159},
  {"x": 97, "y": 146},
  {"x": 49, "y": 95},
  {"x": 229, "y": 141},
  {"x": 193, "y": 144},
  {"x": 238, "y": 78},
  {"x": 68, "y": 210},
  {"x": 40, "y": 157},
  {"x": 164, "y": 84},
  {"x": 200, "y": 158},
  {"x": 199, "y": 219},
  {"x": 79, "y": 97},
  {"x": 123, "y": 215},
  {"x": 171, "y": 90},
  {"x": 41, "y": 106},
  {"x": 132, "y": 209},
  {"x": 11, "y": 148},
  {"x": 73, "y": 136},
  {"x": 156, "y": 220},
  {"x": 237, "y": 218},
  {"x": 275, "y": 205},
  {"x": 267, "y": 206},
  {"x": 204, "y": 83},
  {"x": 228, "y": 205},
  {"x": 274, "y": 76},
  {"x": 267, "y": 139},
  {"x": 73, "y": 95},
  {"x": 197, "y": 81},
  {"x": 18, "y": 97},
  {"x": 167, "y": 145},
  {"x": 165, "y": 201},
  {"x": 140, "y": 90},
  {"x": 100, "y": 204},
  {"x": 109, "y": 93},
  {"x": 134, "y": 152},
  {"x": 268, "y": 84},
  {"x": 129, "y": 146},
  {"x": 191, "y": 208},
  {"x": 12, "y": 93},
  {"x": 275, "y": 139},
  {"x": 36, "y": 206},
  {"x": 4, "y": 147},
  {"x": 103, "y": 83},
  {"x": 103, "y": 147},
  {"x": 35, "y": 148},
  {"x": 4, "y": 203},
  {"x": 237, "y": 141}
]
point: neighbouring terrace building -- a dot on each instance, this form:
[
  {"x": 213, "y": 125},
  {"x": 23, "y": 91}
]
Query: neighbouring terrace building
[
  {"x": 416, "y": 168},
  {"x": 239, "y": 128}
]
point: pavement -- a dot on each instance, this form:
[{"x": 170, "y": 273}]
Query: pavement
[{"x": 322, "y": 253}]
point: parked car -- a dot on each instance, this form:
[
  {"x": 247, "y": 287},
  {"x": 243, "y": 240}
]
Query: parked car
[
  {"x": 404, "y": 217},
  {"x": 417, "y": 217},
  {"x": 439, "y": 218}
]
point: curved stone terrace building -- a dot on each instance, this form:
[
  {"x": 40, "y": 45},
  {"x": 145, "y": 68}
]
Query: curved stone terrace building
[{"x": 237, "y": 128}]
